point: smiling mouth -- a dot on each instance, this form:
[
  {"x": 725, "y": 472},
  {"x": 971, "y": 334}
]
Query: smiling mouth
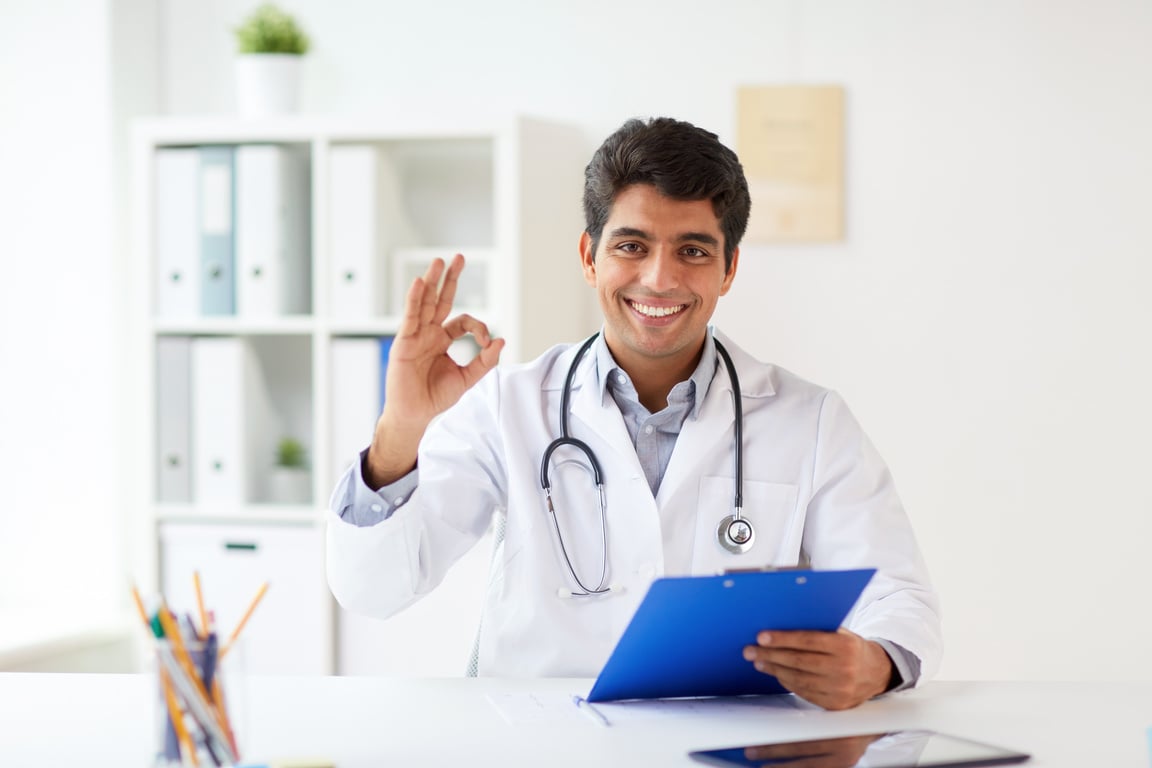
[{"x": 650, "y": 311}]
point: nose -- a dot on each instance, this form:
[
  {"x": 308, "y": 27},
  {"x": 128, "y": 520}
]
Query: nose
[{"x": 661, "y": 270}]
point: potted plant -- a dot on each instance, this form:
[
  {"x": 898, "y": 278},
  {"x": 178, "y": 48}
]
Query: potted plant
[
  {"x": 270, "y": 46},
  {"x": 291, "y": 482}
]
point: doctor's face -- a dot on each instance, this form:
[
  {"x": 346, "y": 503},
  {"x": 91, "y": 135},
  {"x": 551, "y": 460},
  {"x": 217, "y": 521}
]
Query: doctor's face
[{"x": 658, "y": 271}]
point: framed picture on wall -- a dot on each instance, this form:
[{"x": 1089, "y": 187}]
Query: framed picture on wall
[{"x": 790, "y": 139}]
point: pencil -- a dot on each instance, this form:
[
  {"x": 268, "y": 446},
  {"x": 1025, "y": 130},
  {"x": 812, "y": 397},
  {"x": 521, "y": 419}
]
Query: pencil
[
  {"x": 200, "y": 603},
  {"x": 177, "y": 718},
  {"x": 244, "y": 619},
  {"x": 172, "y": 634},
  {"x": 140, "y": 608}
]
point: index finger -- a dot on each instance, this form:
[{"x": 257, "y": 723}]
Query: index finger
[{"x": 801, "y": 640}]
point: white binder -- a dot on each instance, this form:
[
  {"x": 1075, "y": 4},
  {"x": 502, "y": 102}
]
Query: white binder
[
  {"x": 177, "y": 232},
  {"x": 358, "y": 371},
  {"x": 173, "y": 414},
  {"x": 273, "y": 271},
  {"x": 229, "y": 407},
  {"x": 357, "y": 279}
]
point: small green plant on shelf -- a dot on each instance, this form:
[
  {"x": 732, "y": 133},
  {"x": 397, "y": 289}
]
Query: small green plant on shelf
[
  {"x": 290, "y": 453},
  {"x": 270, "y": 30}
]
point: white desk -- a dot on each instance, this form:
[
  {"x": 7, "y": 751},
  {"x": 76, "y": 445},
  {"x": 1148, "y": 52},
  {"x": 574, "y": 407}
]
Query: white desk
[{"x": 82, "y": 721}]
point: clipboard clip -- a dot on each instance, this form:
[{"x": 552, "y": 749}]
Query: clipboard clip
[{"x": 766, "y": 569}]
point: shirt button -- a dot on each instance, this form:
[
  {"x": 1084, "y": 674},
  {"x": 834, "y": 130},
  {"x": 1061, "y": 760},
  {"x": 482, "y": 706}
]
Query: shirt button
[
  {"x": 621, "y": 378},
  {"x": 648, "y": 429},
  {"x": 398, "y": 501},
  {"x": 377, "y": 508}
]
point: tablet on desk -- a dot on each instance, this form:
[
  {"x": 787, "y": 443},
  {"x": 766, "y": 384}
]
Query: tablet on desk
[
  {"x": 687, "y": 637},
  {"x": 896, "y": 749}
]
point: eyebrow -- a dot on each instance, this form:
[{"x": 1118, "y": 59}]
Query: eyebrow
[{"x": 698, "y": 237}]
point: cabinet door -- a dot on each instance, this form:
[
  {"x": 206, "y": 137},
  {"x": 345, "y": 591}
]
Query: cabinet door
[{"x": 289, "y": 633}]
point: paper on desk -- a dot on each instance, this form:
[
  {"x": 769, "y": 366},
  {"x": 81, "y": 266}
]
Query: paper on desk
[
  {"x": 554, "y": 707},
  {"x": 535, "y": 708}
]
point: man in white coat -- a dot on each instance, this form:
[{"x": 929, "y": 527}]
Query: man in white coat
[{"x": 457, "y": 447}]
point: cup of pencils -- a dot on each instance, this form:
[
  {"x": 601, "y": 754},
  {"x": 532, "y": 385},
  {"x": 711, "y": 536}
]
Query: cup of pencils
[{"x": 197, "y": 675}]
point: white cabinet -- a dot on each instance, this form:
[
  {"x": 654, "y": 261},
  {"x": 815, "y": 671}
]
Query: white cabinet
[{"x": 273, "y": 258}]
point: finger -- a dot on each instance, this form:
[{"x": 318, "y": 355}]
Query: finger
[
  {"x": 448, "y": 289},
  {"x": 485, "y": 361},
  {"x": 431, "y": 288},
  {"x": 778, "y": 660},
  {"x": 817, "y": 642},
  {"x": 465, "y": 324},
  {"x": 410, "y": 321}
]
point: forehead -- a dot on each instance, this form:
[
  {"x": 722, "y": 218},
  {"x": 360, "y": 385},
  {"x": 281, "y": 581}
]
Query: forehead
[{"x": 642, "y": 206}]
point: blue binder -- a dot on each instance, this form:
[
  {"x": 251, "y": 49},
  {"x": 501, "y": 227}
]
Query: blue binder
[
  {"x": 217, "y": 224},
  {"x": 687, "y": 637}
]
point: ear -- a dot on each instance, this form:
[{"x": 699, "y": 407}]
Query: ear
[
  {"x": 731, "y": 273},
  {"x": 587, "y": 259}
]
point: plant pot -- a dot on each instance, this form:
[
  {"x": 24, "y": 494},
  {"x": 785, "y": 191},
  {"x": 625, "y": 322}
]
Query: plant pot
[
  {"x": 290, "y": 485},
  {"x": 267, "y": 83}
]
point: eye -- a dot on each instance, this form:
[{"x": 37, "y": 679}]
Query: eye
[
  {"x": 629, "y": 247},
  {"x": 695, "y": 254}
]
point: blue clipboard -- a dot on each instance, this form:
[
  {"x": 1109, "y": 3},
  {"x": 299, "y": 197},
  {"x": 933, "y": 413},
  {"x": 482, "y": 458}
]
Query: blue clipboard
[{"x": 687, "y": 637}]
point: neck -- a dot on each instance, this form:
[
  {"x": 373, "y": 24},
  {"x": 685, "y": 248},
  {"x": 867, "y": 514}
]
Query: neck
[{"x": 655, "y": 378}]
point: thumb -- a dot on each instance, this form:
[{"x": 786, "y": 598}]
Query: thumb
[{"x": 485, "y": 361}]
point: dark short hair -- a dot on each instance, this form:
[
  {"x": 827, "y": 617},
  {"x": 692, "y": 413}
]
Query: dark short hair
[{"x": 682, "y": 161}]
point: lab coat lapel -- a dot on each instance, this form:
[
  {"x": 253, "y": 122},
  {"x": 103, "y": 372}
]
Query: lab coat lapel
[{"x": 592, "y": 416}]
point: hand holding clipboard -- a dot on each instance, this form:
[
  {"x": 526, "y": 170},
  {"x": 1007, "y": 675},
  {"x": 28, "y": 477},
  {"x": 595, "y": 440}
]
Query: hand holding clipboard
[{"x": 712, "y": 619}]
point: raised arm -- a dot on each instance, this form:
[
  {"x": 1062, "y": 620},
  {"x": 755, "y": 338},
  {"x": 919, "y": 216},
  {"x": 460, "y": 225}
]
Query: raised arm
[{"x": 423, "y": 381}]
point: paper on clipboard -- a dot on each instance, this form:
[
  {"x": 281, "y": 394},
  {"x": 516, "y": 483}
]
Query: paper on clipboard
[{"x": 687, "y": 637}]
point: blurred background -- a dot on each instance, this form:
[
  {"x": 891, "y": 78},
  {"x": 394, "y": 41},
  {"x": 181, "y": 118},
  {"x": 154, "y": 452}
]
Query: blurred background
[{"x": 986, "y": 314}]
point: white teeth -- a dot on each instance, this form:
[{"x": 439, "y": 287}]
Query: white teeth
[{"x": 644, "y": 309}]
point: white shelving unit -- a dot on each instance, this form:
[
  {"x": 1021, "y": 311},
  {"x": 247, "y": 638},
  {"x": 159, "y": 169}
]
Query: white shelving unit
[{"x": 507, "y": 196}]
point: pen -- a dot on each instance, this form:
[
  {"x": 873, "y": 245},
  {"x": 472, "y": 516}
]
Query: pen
[{"x": 586, "y": 707}]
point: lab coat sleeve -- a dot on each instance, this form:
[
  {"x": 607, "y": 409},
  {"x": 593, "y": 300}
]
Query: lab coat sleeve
[
  {"x": 380, "y": 569},
  {"x": 856, "y": 520}
]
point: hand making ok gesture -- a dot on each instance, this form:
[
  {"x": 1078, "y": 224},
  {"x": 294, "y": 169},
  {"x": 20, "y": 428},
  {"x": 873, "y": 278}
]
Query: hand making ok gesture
[{"x": 423, "y": 381}]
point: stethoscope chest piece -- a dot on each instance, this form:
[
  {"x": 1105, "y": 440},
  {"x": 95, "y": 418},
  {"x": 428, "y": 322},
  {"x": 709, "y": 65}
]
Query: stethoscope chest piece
[{"x": 735, "y": 534}]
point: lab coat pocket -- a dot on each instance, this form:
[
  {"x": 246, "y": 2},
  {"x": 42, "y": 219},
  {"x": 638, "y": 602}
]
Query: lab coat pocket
[{"x": 771, "y": 510}]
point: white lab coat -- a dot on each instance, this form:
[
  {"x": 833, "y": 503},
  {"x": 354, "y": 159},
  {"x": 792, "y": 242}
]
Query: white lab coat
[{"x": 814, "y": 487}]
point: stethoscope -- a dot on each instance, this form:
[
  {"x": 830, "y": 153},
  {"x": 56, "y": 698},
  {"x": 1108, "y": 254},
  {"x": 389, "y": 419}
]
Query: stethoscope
[{"x": 734, "y": 533}]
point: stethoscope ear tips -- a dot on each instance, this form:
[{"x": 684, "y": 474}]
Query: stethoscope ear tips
[{"x": 735, "y": 534}]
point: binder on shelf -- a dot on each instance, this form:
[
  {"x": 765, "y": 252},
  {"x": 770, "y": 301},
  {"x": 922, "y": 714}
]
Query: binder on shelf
[
  {"x": 359, "y": 370},
  {"x": 229, "y": 422},
  {"x": 217, "y": 264},
  {"x": 177, "y": 232},
  {"x": 357, "y": 280},
  {"x": 272, "y": 228},
  {"x": 173, "y": 419}
]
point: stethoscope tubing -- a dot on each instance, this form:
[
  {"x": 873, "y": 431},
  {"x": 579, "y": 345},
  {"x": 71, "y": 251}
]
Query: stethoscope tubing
[{"x": 566, "y": 439}]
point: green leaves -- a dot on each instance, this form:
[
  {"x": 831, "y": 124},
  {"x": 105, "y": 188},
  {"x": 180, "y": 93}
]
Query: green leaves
[
  {"x": 271, "y": 30},
  {"x": 290, "y": 453}
]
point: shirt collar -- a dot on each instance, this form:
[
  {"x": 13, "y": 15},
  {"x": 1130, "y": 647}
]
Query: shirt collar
[{"x": 606, "y": 366}]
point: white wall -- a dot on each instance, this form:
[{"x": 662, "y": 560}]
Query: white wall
[
  {"x": 985, "y": 316},
  {"x": 63, "y": 118},
  {"x": 58, "y": 311}
]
